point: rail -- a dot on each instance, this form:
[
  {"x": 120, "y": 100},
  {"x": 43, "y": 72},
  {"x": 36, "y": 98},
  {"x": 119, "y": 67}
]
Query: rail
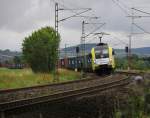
[
  {"x": 30, "y": 92},
  {"x": 68, "y": 90},
  {"x": 131, "y": 72}
]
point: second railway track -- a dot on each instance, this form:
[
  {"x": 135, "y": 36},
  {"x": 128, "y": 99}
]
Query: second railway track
[{"x": 21, "y": 97}]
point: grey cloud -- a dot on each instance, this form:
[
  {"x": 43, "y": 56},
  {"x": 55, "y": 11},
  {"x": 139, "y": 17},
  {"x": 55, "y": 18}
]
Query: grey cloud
[
  {"x": 110, "y": 13},
  {"x": 22, "y": 16},
  {"x": 11, "y": 10}
]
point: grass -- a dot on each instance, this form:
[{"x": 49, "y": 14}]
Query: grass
[
  {"x": 18, "y": 78},
  {"x": 137, "y": 104}
]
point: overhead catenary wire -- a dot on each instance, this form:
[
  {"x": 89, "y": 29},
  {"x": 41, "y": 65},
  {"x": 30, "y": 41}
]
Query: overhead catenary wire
[
  {"x": 73, "y": 10},
  {"x": 114, "y": 37},
  {"x": 141, "y": 11},
  {"x": 118, "y": 39},
  {"x": 77, "y": 14},
  {"x": 141, "y": 28},
  {"x": 95, "y": 30},
  {"x": 122, "y": 9},
  {"x": 123, "y": 4},
  {"x": 74, "y": 15},
  {"x": 77, "y": 7},
  {"x": 89, "y": 17},
  {"x": 134, "y": 16}
]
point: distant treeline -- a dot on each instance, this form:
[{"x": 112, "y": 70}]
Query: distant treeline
[
  {"x": 139, "y": 63},
  {"x": 16, "y": 62}
]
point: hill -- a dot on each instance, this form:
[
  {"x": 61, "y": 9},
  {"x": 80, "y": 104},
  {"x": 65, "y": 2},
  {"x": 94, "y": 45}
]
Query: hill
[
  {"x": 142, "y": 52},
  {"x": 71, "y": 51},
  {"x": 7, "y": 55}
]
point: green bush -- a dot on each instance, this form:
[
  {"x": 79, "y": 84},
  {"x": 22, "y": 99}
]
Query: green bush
[{"x": 40, "y": 49}]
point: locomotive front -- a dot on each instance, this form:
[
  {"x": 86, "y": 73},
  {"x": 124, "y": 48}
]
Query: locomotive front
[{"x": 102, "y": 58}]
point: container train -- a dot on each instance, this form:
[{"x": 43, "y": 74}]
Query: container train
[{"x": 99, "y": 60}]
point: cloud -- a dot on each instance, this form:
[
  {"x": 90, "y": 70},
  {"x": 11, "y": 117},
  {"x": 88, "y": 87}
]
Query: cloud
[
  {"x": 10, "y": 40},
  {"x": 70, "y": 37},
  {"x": 20, "y": 17},
  {"x": 11, "y": 11}
]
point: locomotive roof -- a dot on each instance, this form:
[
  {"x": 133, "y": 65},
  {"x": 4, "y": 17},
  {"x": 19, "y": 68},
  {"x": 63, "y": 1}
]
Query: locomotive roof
[{"x": 101, "y": 44}]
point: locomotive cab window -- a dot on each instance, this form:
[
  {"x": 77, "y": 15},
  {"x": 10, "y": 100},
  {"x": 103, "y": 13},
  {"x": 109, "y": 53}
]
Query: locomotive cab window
[{"x": 101, "y": 53}]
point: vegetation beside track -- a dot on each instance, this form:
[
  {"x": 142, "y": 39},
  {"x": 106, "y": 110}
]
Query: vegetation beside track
[
  {"x": 138, "y": 63},
  {"x": 18, "y": 78},
  {"x": 137, "y": 103}
]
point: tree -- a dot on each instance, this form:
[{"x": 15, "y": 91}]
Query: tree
[
  {"x": 17, "y": 60},
  {"x": 40, "y": 49}
]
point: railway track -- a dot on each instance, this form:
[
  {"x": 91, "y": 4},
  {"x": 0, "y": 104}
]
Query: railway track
[
  {"x": 31, "y": 92},
  {"x": 16, "y": 98},
  {"x": 131, "y": 72}
]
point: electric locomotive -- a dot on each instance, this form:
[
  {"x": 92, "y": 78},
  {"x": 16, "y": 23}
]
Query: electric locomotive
[
  {"x": 99, "y": 60},
  {"x": 102, "y": 57}
]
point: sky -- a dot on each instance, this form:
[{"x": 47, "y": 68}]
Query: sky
[{"x": 19, "y": 18}]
